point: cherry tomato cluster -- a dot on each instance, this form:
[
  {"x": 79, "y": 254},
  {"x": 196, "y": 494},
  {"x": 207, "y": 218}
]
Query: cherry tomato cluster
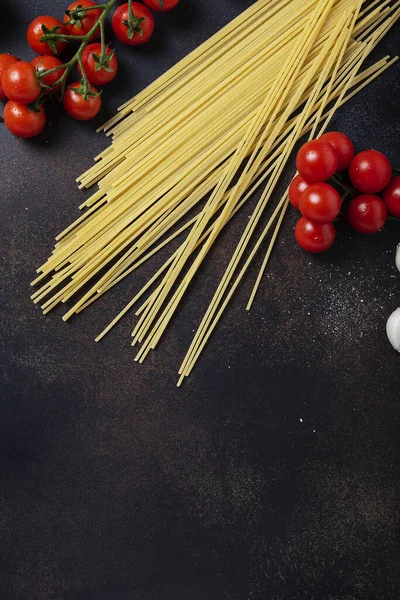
[
  {"x": 319, "y": 202},
  {"x": 27, "y": 85}
]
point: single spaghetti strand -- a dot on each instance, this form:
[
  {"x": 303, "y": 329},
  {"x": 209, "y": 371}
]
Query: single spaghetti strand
[{"x": 267, "y": 255}]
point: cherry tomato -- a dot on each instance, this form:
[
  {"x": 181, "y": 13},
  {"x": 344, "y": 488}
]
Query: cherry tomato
[
  {"x": 76, "y": 105},
  {"x": 24, "y": 121},
  {"x": 320, "y": 203},
  {"x": 314, "y": 237},
  {"x": 343, "y": 145},
  {"x": 35, "y": 33},
  {"x": 97, "y": 74},
  {"x": 391, "y": 196},
  {"x": 296, "y": 188},
  {"x": 317, "y": 160},
  {"x": 370, "y": 171},
  {"x": 367, "y": 213},
  {"x": 6, "y": 60},
  {"x": 84, "y": 21},
  {"x": 142, "y": 26},
  {"x": 46, "y": 63},
  {"x": 20, "y": 83},
  {"x": 161, "y": 5}
]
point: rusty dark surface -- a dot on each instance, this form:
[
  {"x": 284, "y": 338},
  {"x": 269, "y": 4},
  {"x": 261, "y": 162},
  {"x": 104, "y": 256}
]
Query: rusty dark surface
[{"x": 273, "y": 473}]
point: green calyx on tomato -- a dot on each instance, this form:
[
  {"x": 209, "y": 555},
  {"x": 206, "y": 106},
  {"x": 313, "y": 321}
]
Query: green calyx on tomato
[
  {"x": 76, "y": 15},
  {"x": 103, "y": 62},
  {"x": 134, "y": 25},
  {"x": 80, "y": 108},
  {"x": 52, "y": 43},
  {"x": 85, "y": 90}
]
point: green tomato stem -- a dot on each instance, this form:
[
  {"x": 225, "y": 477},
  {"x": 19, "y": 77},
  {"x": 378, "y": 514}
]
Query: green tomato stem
[
  {"x": 86, "y": 84},
  {"x": 131, "y": 16},
  {"x": 85, "y": 9},
  {"x": 63, "y": 37},
  {"x": 103, "y": 43}
]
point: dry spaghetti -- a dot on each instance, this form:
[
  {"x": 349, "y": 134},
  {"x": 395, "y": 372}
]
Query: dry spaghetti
[{"x": 218, "y": 125}]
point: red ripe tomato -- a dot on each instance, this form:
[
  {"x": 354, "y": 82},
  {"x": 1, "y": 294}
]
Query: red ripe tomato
[
  {"x": 317, "y": 160},
  {"x": 314, "y": 237},
  {"x": 82, "y": 22},
  {"x": 77, "y": 106},
  {"x": 36, "y": 32},
  {"x": 320, "y": 203},
  {"x": 141, "y": 28},
  {"x": 391, "y": 196},
  {"x": 46, "y": 63},
  {"x": 24, "y": 121},
  {"x": 296, "y": 188},
  {"x": 343, "y": 145},
  {"x": 6, "y": 60},
  {"x": 161, "y": 5},
  {"x": 95, "y": 72},
  {"x": 20, "y": 83},
  {"x": 370, "y": 171},
  {"x": 367, "y": 213}
]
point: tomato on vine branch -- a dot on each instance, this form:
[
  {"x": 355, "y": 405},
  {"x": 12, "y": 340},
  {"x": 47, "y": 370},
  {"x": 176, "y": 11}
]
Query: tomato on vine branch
[
  {"x": 320, "y": 203},
  {"x": 42, "y": 26},
  {"x": 370, "y": 171},
  {"x": 82, "y": 103},
  {"x": 133, "y": 23},
  {"x": 78, "y": 20},
  {"x": 100, "y": 68},
  {"x": 314, "y": 237},
  {"x": 367, "y": 213},
  {"x": 23, "y": 120},
  {"x": 49, "y": 63},
  {"x": 20, "y": 83}
]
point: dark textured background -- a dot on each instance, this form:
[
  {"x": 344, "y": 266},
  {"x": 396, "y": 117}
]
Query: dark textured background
[{"x": 273, "y": 473}]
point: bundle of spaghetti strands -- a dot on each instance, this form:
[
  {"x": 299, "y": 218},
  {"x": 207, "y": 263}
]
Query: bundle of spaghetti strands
[{"x": 200, "y": 140}]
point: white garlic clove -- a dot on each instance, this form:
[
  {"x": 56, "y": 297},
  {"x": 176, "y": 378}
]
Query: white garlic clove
[
  {"x": 393, "y": 329},
  {"x": 398, "y": 257}
]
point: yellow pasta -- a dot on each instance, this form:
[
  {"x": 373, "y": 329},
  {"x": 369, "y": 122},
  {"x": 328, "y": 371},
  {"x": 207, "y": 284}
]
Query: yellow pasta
[{"x": 220, "y": 123}]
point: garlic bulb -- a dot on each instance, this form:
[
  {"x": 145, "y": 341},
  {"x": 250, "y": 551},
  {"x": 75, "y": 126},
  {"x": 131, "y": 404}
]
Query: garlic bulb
[
  {"x": 393, "y": 329},
  {"x": 398, "y": 257}
]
